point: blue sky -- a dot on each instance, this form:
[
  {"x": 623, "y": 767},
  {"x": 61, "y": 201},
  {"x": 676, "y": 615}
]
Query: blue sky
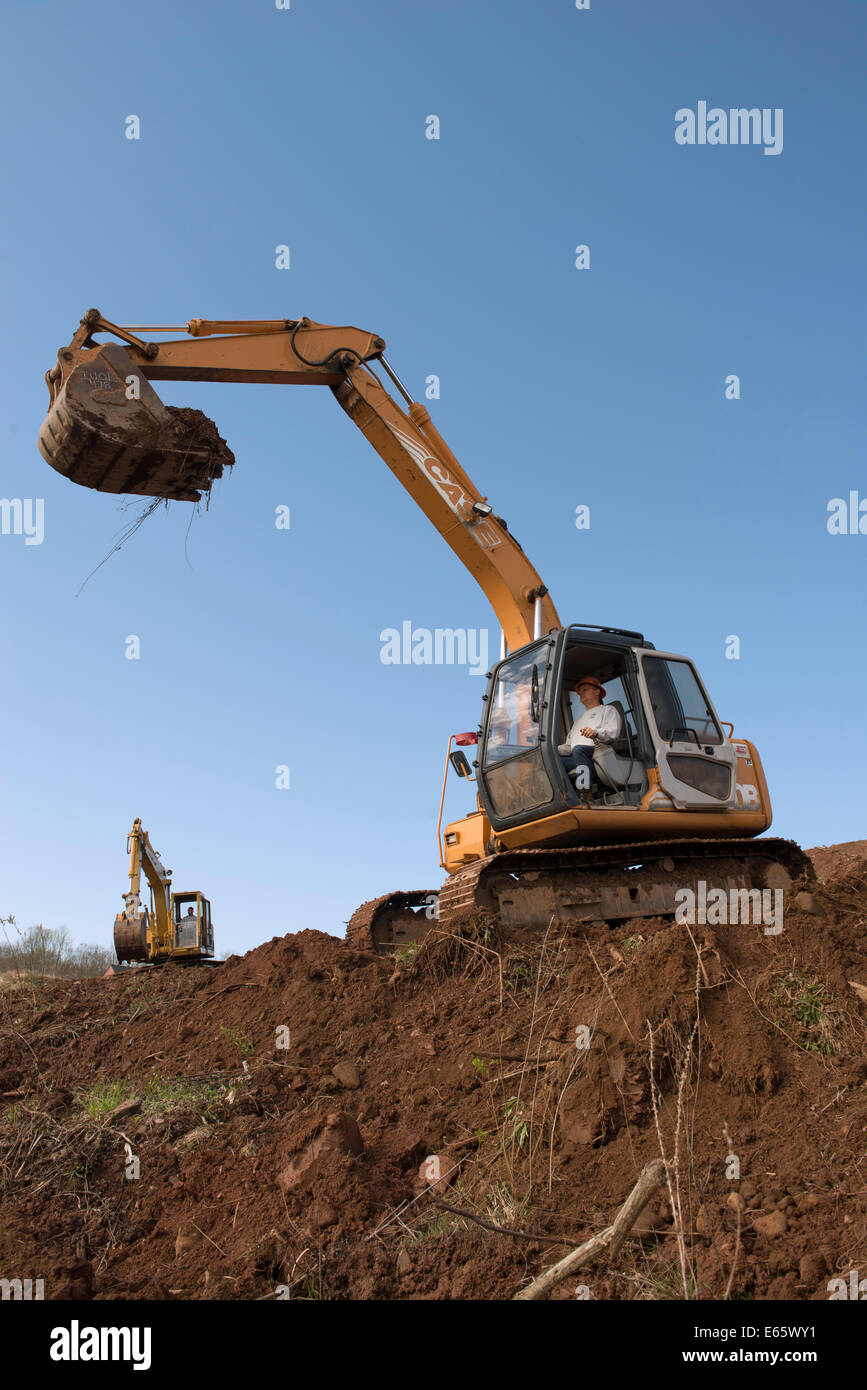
[{"x": 559, "y": 387}]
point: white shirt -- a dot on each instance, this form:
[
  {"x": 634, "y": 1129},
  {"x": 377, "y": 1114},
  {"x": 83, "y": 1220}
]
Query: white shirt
[{"x": 603, "y": 719}]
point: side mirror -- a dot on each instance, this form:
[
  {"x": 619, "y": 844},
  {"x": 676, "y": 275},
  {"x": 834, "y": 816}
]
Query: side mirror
[{"x": 459, "y": 763}]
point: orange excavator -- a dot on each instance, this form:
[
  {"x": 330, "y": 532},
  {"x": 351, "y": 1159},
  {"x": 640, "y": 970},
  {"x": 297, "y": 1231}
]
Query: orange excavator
[{"x": 657, "y": 798}]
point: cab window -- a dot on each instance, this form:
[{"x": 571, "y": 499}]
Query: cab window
[
  {"x": 516, "y": 707},
  {"x": 680, "y": 708},
  {"x": 513, "y": 772}
]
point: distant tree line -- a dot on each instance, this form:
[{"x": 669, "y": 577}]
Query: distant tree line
[{"x": 49, "y": 951}]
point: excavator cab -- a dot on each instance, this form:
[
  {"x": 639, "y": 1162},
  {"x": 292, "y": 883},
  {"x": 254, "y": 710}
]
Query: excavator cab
[
  {"x": 671, "y": 750},
  {"x": 675, "y": 802},
  {"x": 192, "y": 930}
]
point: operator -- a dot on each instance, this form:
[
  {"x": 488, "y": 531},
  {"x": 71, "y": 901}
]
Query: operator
[{"x": 600, "y": 724}]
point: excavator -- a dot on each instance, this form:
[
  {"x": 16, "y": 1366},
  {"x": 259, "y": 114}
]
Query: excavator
[
  {"x": 177, "y": 927},
  {"x": 675, "y": 799}
]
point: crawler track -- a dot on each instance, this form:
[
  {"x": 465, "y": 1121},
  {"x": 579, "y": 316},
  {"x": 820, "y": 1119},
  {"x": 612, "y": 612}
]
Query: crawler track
[
  {"x": 615, "y": 882},
  {"x": 618, "y": 882},
  {"x": 394, "y": 920}
]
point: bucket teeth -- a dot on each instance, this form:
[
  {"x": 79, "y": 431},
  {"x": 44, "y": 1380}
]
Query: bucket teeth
[{"x": 108, "y": 429}]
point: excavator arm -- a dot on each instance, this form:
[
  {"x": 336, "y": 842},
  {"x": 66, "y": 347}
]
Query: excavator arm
[
  {"x": 142, "y": 855},
  {"x": 107, "y": 429}
]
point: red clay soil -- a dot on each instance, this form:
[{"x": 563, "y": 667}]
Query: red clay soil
[{"x": 738, "y": 1056}]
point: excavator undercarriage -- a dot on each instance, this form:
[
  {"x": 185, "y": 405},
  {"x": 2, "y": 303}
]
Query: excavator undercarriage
[{"x": 608, "y": 883}]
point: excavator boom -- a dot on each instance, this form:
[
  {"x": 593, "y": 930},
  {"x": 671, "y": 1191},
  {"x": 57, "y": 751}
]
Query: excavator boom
[
  {"x": 107, "y": 429},
  {"x": 131, "y": 927}
]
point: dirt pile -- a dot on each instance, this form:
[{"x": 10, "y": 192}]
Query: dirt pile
[{"x": 278, "y": 1122}]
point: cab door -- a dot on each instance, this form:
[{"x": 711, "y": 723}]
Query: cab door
[
  {"x": 697, "y": 763},
  {"x": 206, "y": 930},
  {"x": 520, "y": 775}
]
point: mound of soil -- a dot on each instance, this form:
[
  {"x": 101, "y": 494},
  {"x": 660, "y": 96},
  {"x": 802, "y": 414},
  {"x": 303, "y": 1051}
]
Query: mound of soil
[
  {"x": 314, "y": 1121},
  {"x": 830, "y": 862}
]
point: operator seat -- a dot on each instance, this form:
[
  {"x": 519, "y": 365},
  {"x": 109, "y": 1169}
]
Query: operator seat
[{"x": 617, "y": 764}]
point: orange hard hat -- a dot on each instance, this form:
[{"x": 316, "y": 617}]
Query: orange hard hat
[{"x": 590, "y": 680}]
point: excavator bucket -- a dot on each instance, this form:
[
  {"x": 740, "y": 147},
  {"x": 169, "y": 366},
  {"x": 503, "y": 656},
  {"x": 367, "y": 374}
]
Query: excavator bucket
[
  {"x": 130, "y": 936},
  {"x": 108, "y": 429}
]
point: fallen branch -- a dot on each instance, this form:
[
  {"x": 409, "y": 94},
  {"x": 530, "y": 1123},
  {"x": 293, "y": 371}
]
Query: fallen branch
[
  {"x": 502, "y": 1230},
  {"x": 650, "y": 1178},
  {"x": 249, "y": 984}
]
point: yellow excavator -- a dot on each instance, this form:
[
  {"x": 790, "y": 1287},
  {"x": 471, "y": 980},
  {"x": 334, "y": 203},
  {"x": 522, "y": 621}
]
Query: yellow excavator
[
  {"x": 176, "y": 927},
  {"x": 565, "y": 827}
]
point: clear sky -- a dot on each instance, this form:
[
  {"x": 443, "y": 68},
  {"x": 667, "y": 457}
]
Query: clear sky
[{"x": 605, "y": 387}]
